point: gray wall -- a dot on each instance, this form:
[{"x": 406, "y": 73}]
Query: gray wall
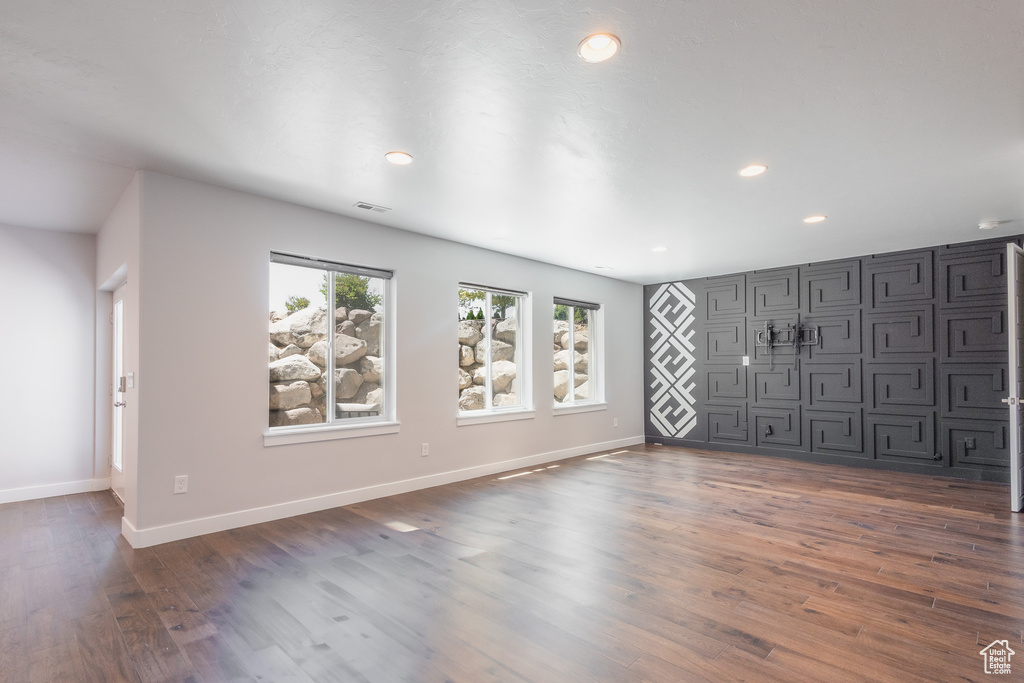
[{"x": 909, "y": 373}]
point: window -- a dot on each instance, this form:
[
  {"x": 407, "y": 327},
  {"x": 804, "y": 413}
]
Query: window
[
  {"x": 328, "y": 357},
  {"x": 577, "y": 380},
  {"x": 491, "y": 353}
]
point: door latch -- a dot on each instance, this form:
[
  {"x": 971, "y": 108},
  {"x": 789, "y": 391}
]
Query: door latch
[{"x": 1012, "y": 400}]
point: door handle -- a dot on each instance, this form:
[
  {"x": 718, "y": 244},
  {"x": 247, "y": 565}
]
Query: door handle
[
  {"x": 1012, "y": 400},
  {"x": 119, "y": 404}
]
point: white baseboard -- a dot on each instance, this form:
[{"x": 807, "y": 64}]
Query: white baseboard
[
  {"x": 50, "y": 490},
  {"x": 143, "y": 538}
]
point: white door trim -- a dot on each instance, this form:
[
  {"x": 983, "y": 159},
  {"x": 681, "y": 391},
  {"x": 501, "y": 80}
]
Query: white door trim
[{"x": 1015, "y": 293}]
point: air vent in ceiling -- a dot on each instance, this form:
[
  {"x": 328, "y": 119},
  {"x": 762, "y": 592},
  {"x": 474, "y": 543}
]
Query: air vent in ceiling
[{"x": 371, "y": 207}]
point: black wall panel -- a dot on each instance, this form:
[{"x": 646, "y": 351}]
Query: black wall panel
[
  {"x": 898, "y": 279},
  {"x": 909, "y": 372},
  {"x": 777, "y": 426},
  {"x": 725, "y": 297},
  {"x": 773, "y": 291},
  {"x": 897, "y": 386}
]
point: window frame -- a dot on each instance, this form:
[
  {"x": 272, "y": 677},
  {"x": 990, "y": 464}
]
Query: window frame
[
  {"x": 595, "y": 357},
  {"x": 342, "y": 428},
  {"x": 524, "y": 315}
]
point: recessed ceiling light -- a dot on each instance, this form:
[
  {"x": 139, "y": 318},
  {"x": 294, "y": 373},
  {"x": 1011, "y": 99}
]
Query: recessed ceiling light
[
  {"x": 815, "y": 219},
  {"x": 603, "y": 268},
  {"x": 598, "y": 47},
  {"x": 753, "y": 170},
  {"x": 399, "y": 158},
  {"x": 988, "y": 225},
  {"x": 659, "y": 249}
]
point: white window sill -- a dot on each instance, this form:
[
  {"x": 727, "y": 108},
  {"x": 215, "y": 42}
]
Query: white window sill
[
  {"x": 465, "y": 419},
  {"x": 328, "y": 433},
  {"x": 581, "y": 408}
]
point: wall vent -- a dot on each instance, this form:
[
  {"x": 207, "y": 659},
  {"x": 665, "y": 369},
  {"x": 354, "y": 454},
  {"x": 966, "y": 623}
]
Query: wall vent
[{"x": 371, "y": 207}]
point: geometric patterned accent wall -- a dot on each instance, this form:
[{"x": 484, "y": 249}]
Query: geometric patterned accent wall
[
  {"x": 908, "y": 375},
  {"x": 670, "y": 360}
]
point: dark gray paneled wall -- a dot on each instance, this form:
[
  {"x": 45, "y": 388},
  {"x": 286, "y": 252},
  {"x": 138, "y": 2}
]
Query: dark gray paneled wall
[{"x": 909, "y": 374}]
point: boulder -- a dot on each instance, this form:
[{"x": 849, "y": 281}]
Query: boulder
[
  {"x": 499, "y": 351},
  {"x": 278, "y": 315},
  {"x": 582, "y": 362},
  {"x": 473, "y": 398},
  {"x": 274, "y": 353},
  {"x": 479, "y": 376},
  {"x": 505, "y": 330},
  {"x": 465, "y": 379},
  {"x": 375, "y": 399},
  {"x": 318, "y": 353},
  {"x": 369, "y": 331},
  {"x": 579, "y": 379},
  {"x": 369, "y": 399},
  {"x": 357, "y": 316},
  {"x": 582, "y": 391},
  {"x": 562, "y": 360},
  {"x": 307, "y": 340},
  {"x": 346, "y": 383},
  {"x": 288, "y": 395},
  {"x": 347, "y": 327},
  {"x": 502, "y": 374},
  {"x": 348, "y": 349},
  {"x": 308, "y": 320},
  {"x": 316, "y": 390},
  {"x": 370, "y": 368},
  {"x": 561, "y": 384},
  {"x": 561, "y": 327},
  {"x": 501, "y": 400},
  {"x": 365, "y": 389},
  {"x": 465, "y": 356},
  {"x": 295, "y": 416},
  {"x": 469, "y": 332},
  {"x": 319, "y": 402},
  {"x": 340, "y": 314},
  {"x": 281, "y": 333},
  {"x": 582, "y": 338},
  {"x": 290, "y": 350},
  {"x": 293, "y": 368}
]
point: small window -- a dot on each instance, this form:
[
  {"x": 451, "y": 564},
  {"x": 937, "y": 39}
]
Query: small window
[
  {"x": 491, "y": 367},
  {"x": 328, "y": 353},
  {"x": 576, "y": 366}
]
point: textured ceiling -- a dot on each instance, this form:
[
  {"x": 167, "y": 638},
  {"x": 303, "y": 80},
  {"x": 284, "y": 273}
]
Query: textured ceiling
[{"x": 902, "y": 120}]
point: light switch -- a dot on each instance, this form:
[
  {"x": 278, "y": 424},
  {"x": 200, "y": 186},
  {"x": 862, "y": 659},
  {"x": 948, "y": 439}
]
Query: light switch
[{"x": 746, "y": 360}]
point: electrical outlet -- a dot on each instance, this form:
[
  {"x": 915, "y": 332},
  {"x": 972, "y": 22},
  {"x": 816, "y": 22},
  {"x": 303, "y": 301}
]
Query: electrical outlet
[
  {"x": 424, "y": 449},
  {"x": 181, "y": 484},
  {"x": 615, "y": 422}
]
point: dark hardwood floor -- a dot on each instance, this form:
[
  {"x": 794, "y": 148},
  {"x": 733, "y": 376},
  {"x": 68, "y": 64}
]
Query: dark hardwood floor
[{"x": 654, "y": 564}]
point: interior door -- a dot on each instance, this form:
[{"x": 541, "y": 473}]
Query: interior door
[
  {"x": 118, "y": 394},
  {"x": 1015, "y": 285}
]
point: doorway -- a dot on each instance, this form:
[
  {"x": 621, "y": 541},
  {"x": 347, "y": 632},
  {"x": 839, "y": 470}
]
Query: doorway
[{"x": 118, "y": 393}]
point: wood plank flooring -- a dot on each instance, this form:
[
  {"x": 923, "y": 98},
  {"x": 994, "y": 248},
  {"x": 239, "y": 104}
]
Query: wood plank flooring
[{"x": 651, "y": 564}]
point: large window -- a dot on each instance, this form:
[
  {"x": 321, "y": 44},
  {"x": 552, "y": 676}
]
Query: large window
[
  {"x": 328, "y": 352},
  {"x": 491, "y": 365},
  {"x": 577, "y": 380}
]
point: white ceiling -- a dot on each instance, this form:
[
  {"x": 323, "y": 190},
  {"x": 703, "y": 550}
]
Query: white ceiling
[{"x": 902, "y": 120}]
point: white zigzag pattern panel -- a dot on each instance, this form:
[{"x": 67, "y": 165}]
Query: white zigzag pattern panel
[{"x": 672, "y": 402}]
